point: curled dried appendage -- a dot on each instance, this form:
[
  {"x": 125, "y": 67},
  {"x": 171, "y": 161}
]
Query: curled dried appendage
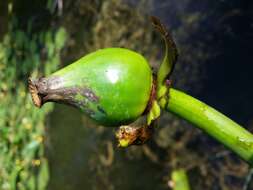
[
  {"x": 167, "y": 37},
  {"x": 168, "y": 63},
  {"x": 34, "y": 93},
  {"x": 129, "y": 135}
]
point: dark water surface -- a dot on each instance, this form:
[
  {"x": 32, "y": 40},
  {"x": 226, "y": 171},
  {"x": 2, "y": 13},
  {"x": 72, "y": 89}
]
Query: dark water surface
[{"x": 75, "y": 152}]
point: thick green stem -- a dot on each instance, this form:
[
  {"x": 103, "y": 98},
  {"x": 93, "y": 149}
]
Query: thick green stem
[
  {"x": 214, "y": 123},
  {"x": 180, "y": 180}
]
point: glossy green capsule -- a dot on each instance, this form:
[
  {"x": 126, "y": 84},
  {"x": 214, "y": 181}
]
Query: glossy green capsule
[{"x": 111, "y": 85}]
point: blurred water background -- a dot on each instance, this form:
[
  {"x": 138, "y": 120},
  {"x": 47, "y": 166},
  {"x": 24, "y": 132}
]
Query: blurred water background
[{"x": 59, "y": 148}]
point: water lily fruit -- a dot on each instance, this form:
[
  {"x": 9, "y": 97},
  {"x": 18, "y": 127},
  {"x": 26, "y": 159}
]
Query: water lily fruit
[{"x": 111, "y": 85}]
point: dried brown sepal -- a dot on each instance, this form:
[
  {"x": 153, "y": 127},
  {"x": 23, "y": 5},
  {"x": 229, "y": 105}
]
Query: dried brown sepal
[
  {"x": 129, "y": 135},
  {"x": 166, "y": 34},
  {"x": 152, "y": 96},
  {"x": 34, "y": 93},
  {"x": 167, "y": 37}
]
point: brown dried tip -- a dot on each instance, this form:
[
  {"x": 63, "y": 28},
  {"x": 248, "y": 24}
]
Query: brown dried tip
[
  {"x": 34, "y": 93},
  {"x": 129, "y": 135},
  {"x": 166, "y": 35}
]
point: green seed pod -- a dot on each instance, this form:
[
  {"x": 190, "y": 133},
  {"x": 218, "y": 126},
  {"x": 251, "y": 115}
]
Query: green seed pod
[{"x": 111, "y": 85}]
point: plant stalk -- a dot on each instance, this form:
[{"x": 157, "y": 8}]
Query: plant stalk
[
  {"x": 179, "y": 180},
  {"x": 214, "y": 123}
]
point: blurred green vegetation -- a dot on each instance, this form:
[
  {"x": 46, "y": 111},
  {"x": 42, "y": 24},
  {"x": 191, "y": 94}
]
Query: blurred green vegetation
[{"x": 24, "y": 52}]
